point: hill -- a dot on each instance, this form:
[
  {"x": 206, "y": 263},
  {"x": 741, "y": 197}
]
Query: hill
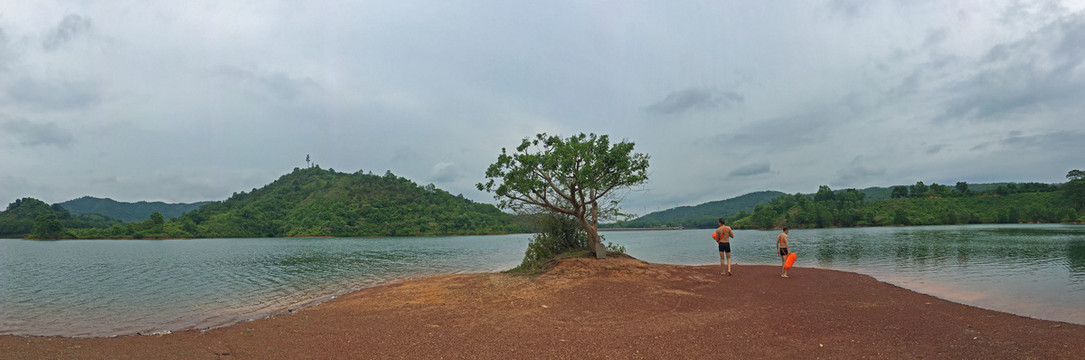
[
  {"x": 129, "y": 212},
  {"x": 317, "y": 202},
  {"x": 30, "y": 216},
  {"x": 704, "y": 215}
]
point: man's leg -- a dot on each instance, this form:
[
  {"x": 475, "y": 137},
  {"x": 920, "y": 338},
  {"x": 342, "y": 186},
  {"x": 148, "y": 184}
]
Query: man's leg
[
  {"x": 721, "y": 263},
  {"x": 728, "y": 263}
]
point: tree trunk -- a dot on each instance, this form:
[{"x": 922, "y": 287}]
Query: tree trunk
[{"x": 594, "y": 244}]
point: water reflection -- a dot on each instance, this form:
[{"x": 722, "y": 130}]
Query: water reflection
[{"x": 1075, "y": 255}]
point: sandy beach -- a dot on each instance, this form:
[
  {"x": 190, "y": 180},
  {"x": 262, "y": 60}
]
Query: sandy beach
[{"x": 619, "y": 308}]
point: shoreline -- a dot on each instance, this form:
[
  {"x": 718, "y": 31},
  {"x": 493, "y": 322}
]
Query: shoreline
[{"x": 636, "y": 309}]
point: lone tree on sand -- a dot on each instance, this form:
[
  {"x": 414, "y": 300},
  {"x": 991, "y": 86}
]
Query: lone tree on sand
[{"x": 570, "y": 176}]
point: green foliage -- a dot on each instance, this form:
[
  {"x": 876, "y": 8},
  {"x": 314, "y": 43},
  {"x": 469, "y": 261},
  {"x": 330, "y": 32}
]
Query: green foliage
[
  {"x": 900, "y": 192},
  {"x": 1074, "y": 175},
  {"x": 316, "y": 202},
  {"x": 22, "y": 215},
  {"x": 571, "y": 176},
  {"x": 47, "y": 227},
  {"x": 844, "y": 210},
  {"x": 1075, "y": 193},
  {"x": 558, "y": 234},
  {"x": 129, "y": 212}
]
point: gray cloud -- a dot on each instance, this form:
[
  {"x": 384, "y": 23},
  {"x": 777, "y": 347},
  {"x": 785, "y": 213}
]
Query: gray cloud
[
  {"x": 278, "y": 86},
  {"x": 444, "y": 172},
  {"x": 751, "y": 170},
  {"x": 388, "y": 85},
  {"x": 63, "y": 94},
  {"x": 849, "y": 8},
  {"x": 935, "y": 37},
  {"x": 71, "y": 27},
  {"x": 857, "y": 173},
  {"x": 695, "y": 99},
  {"x": 27, "y": 133},
  {"x": 5, "y": 50},
  {"x": 1057, "y": 141},
  {"x": 1036, "y": 72}
]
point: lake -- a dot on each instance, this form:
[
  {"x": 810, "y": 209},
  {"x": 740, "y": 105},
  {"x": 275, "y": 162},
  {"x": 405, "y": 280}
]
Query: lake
[{"x": 114, "y": 287}]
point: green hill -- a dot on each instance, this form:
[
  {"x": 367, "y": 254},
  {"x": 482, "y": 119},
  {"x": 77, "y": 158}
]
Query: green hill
[
  {"x": 703, "y": 215},
  {"x": 21, "y": 216},
  {"x": 317, "y": 202},
  {"x": 130, "y": 212}
]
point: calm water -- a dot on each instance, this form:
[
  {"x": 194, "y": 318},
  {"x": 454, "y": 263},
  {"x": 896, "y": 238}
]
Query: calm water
[{"x": 109, "y": 287}]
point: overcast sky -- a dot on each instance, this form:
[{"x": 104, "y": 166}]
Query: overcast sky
[{"x": 184, "y": 101}]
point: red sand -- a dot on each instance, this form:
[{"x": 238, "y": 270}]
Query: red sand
[{"x": 618, "y": 308}]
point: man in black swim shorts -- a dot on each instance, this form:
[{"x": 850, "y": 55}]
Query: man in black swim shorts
[
  {"x": 781, "y": 247},
  {"x": 723, "y": 237}
]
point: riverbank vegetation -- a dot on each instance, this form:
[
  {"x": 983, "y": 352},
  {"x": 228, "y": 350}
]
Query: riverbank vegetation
[{"x": 920, "y": 204}]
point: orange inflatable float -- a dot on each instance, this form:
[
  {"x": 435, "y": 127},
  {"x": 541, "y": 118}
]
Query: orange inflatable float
[
  {"x": 715, "y": 236},
  {"x": 790, "y": 260}
]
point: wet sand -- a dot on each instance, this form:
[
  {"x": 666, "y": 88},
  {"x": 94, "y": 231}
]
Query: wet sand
[{"x": 618, "y": 308}]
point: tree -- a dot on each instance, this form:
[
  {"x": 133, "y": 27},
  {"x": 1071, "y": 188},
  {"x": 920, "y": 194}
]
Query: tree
[
  {"x": 919, "y": 189},
  {"x": 571, "y": 176},
  {"x": 1075, "y": 188},
  {"x": 47, "y": 227},
  {"x": 962, "y": 187},
  {"x": 899, "y": 192},
  {"x": 1075, "y": 175},
  {"x": 824, "y": 194},
  {"x": 157, "y": 219}
]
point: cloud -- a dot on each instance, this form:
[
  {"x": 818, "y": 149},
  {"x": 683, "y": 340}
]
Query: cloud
[
  {"x": 1031, "y": 74},
  {"x": 35, "y": 134},
  {"x": 849, "y": 8},
  {"x": 695, "y": 99},
  {"x": 936, "y": 37},
  {"x": 63, "y": 94},
  {"x": 71, "y": 27},
  {"x": 278, "y": 86},
  {"x": 444, "y": 172},
  {"x": 5, "y": 50},
  {"x": 934, "y": 149},
  {"x": 751, "y": 170},
  {"x": 856, "y": 173},
  {"x": 1057, "y": 141}
]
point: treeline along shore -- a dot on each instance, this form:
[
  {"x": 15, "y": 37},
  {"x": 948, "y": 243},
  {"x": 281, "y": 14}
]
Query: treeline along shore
[{"x": 918, "y": 204}]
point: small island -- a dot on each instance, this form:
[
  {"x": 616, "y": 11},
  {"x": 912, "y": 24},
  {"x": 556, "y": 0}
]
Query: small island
[{"x": 617, "y": 307}]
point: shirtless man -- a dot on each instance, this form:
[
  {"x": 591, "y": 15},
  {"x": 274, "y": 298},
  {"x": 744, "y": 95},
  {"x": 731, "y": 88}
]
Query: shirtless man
[
  {"x": 723, "y": 238},
  {"x": 781, "y": 248}
]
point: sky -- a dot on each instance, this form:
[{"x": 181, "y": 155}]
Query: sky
[{"x": 186, "y": 101}]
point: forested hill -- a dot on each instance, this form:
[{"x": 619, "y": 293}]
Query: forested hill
[
  {"x": 130, "y": 212},
  {"x": 317, "y": 202},
  {"x": 703, "y": 215},
  {"x": 34, "y": 218}
]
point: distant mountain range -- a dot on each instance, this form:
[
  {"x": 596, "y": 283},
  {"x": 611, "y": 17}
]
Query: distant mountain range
[
  {"x": 126, "y": 211},
  {"x": 706, "y": 215},
  {"x": 703, "y": 215}
]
